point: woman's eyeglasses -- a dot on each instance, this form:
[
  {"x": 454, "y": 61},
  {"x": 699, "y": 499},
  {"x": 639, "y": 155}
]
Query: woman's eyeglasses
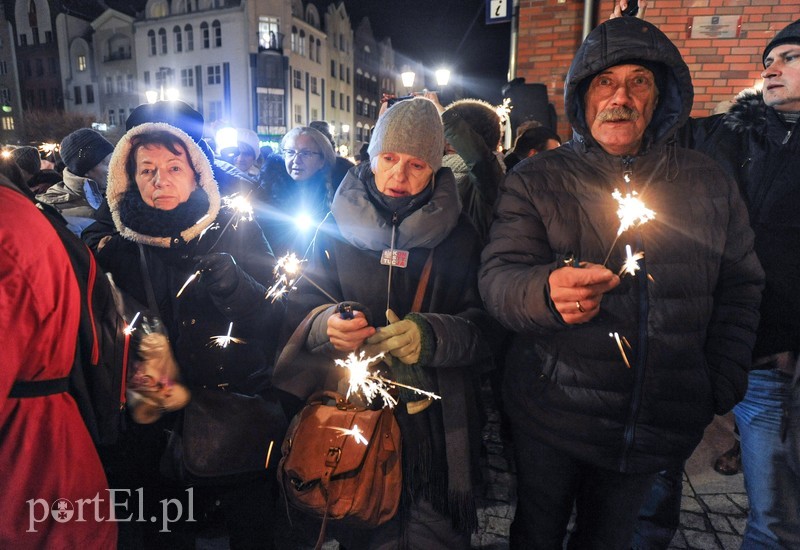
[{"x": 304, "y": 154}]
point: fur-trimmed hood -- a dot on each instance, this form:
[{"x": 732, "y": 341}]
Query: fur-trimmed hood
[
  {"x": 119, "y": 185},
  {"x": 748, "y": 113}
]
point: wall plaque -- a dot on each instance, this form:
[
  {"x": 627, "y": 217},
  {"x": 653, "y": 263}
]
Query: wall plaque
[{"x": 715, "y": 26}]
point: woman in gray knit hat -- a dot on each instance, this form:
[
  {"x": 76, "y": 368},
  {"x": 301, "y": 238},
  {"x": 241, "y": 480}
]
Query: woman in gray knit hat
[{"x": 391, "y": 218}]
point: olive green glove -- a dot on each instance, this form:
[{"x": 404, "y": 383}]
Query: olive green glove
[{"x": 401, "y": 339}]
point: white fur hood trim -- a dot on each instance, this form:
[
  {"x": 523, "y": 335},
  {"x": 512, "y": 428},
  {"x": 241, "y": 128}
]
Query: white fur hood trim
[{"x": 118, "y": 183}]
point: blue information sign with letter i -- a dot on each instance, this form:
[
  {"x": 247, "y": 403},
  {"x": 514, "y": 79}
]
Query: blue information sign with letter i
[{"x": 498, "y": 11}]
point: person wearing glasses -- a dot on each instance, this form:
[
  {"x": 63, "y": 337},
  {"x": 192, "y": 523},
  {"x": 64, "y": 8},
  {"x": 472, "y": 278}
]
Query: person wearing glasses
[{"x": 298, "y": 193}]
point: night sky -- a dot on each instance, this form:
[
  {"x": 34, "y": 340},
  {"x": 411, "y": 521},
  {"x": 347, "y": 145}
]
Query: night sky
[{"x": 442, "y": 32}]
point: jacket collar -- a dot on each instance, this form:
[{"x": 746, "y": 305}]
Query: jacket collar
[{"x": 365, "y": 227}]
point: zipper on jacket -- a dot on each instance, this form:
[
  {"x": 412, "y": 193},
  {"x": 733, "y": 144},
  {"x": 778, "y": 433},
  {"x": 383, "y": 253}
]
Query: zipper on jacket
[
  {"x": 788, "y": 134},
  {"x": 638, "y": 365}
]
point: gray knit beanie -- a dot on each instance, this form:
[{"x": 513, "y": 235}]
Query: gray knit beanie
[
  {"x": 789, "y": 35},
  {"x": 412, "y": 127},
  {"x": 84, "y": 149},
  {"x": 27, "y": 158}
]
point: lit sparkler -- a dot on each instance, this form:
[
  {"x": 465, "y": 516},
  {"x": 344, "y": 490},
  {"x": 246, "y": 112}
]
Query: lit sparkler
[
  {"x": 355, "y": 432},
  {"x": 371, "y": 385},
  {"x": 241, "y": 206},
  {"x": 191, "y": 278},
  {"x": 504, "y": 110},
  {"x": 287, "y": 271},
  {"x": 223, "y": 341},
  {"x": 631, "y": 212},
  {"x": 631, "y": 264},
  {"x": 269, "y": 453},
  {"x": 130, "y": 328},
  {"x": 620, "y": 340},
  {"x": 49, "y": 148},
  {"x": 243, "y": 211}
]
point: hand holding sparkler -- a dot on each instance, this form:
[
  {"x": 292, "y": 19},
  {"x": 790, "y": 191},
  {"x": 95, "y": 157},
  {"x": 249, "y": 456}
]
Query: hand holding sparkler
[
  {"x": 241, "y": 210},
  {"x": 576, "y": 292},
  {"x": 219, "y": 273}
]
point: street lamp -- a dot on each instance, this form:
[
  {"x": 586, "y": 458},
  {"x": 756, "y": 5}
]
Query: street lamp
[{"x": 408, "y": 80}]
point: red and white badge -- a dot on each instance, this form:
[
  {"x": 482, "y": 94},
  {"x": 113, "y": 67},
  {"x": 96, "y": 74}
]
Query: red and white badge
[{"x": 396, "y": 258}]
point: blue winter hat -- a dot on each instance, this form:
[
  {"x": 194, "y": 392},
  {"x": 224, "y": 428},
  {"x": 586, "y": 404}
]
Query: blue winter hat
[{"x": 84, "y": 149}]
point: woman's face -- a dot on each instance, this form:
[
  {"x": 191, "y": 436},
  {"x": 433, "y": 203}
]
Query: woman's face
[
  {"x": 164, "y": 179},
  {"x": 302, "y": 157},
  {"x": 400, "y": 175}
]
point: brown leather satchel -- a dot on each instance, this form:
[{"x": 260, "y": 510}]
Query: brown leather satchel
[{"x": 342, "y": 462}]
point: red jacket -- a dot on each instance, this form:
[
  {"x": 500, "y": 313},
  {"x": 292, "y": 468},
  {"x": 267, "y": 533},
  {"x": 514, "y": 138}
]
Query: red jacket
[{"x": 46, "y": 453}]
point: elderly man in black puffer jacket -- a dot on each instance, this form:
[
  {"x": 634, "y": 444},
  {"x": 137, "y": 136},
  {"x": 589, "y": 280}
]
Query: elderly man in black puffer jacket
[{"x": 614, "y": 377}]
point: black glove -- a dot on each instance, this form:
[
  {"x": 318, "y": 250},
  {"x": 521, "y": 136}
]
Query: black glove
[{"x": 219, "y": 273}]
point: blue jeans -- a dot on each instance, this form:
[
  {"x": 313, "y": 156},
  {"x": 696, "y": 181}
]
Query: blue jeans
[
  {"x": 550, "y": 482},
  {"x": 659, "y": 517},
  {"x": 772, "y": 488}
]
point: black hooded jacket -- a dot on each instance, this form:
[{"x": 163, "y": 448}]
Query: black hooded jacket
[
  {"x": 688, "y": 314},
  {"x": 762, "y": 153}
]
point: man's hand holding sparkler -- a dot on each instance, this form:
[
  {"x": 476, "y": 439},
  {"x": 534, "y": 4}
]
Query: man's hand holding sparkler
[{"x": 576, "y": 292}]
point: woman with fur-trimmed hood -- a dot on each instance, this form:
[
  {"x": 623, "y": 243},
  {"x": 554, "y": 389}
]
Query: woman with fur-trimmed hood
[{"x": 165, "y": 204}]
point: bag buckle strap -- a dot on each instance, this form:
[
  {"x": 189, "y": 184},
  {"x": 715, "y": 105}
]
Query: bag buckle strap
[{"x": 333, "y": 456}]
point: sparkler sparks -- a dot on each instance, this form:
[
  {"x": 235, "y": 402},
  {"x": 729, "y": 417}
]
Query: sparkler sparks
[
  {"x": 370, "y": 385},
  {"x": 620, "y": 340},
  {"x": 241, "y": 206},
  {"x": 631, "y": 264},
  {"x": 131, "y": 327},
  {"x": 269, "y": 453},
  {"x": 355, "y": 432},
  {"x": 287, "y": 272},
  {"x": 223, "y": 341},
  {"x": 191, "y": 278},
  {"x": 504, "y": 110},
  {"x": 49, "y": 148},
  {"x": 631, "y": 212},
  {"x": 363, "y": 381}
]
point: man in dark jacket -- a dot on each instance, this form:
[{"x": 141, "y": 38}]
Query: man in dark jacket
[
  {"x": 756, "y": 143},
  {"x": 614, "y": 378}
]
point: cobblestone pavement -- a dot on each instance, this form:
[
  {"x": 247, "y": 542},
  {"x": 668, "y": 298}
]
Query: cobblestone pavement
[{"x": 713, "y": 508}]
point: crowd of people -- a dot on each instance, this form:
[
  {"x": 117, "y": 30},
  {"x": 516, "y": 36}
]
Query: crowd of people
[{"x": 627, "y": 286}]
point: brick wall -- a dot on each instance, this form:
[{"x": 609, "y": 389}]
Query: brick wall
[{"x": 550, "y": 33}]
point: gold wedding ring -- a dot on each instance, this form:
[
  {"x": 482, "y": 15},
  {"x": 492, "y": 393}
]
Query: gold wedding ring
[{"x": 580, "y": 307}]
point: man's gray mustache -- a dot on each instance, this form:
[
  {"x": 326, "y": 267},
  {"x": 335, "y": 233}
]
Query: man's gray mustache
[{"x": 618, "y": 114}]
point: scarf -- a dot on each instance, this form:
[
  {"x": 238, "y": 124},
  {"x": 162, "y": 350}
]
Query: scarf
[{"x": 146, "y": 220}]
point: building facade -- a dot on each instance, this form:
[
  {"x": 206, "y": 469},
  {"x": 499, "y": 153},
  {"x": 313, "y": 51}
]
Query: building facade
[{"x": 267, "y": 65}]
